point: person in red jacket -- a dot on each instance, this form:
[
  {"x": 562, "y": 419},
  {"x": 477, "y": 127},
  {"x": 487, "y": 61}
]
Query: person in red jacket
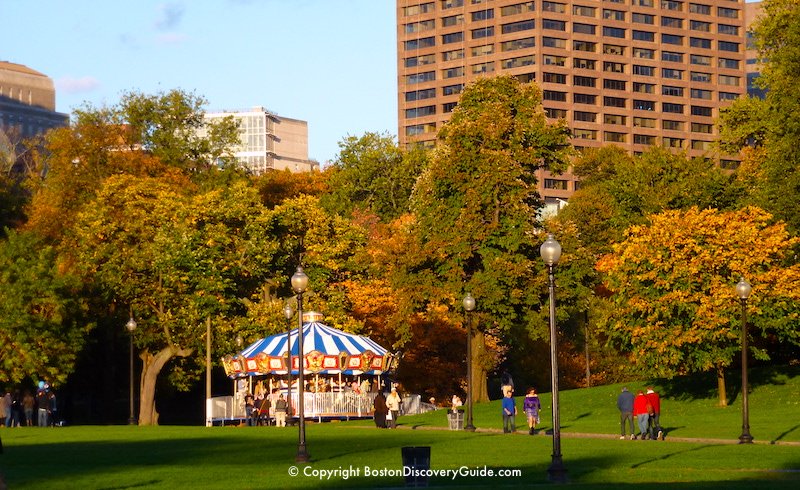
[
  {"x": 656, "y": 432},
  {"x": 641, "y": 412}
]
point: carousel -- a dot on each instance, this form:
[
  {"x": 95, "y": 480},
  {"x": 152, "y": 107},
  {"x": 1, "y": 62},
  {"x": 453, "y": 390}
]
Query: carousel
[{"x": 342, "y": 371}]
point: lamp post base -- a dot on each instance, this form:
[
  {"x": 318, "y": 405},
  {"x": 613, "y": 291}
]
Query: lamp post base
[
  {"x": 745, "y": 438},
  {"x": 302, "y": 455},
  {"x": 470, "y": 428},
  {"x": 132, "y": 421},
  {"x": 556, "y": 472}
]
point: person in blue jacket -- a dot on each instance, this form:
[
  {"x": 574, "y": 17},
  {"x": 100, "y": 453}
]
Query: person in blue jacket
[{"x": 509, "y": 413}]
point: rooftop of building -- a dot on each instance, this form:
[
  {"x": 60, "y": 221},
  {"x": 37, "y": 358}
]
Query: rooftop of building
[{"x": 9, "y": 66}]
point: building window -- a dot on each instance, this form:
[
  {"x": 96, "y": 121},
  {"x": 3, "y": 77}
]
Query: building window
[
  {"x": 644, "y": 88},
  {"x": 672, "y": 56},
  {"x": 728, "y": 13},
  {"x": 448, "y": 107},
  {"x": 584, "y": 46},
  {"x": 483, "y": 32},
  {"x": 644, "y": 105},
  {"x": 527, "y": 42},
  {"x": 518, "y": 61},
  {"x": 671, "y": 74},
  {"x": 728, "y": 96},
  {"x": 613, "y": 137},
  {"x": 554, "y": 25},
  {"x": 583, "y": 63},
  {"x": 672, "y": 91},
  {"x": 579, "y": 81},
  {"x": 615, "y": 119},
  {"x": 556, "y": 184},
  {"x": 701, "y": 111},
  {"x": 646, "y": 71},
  {"x": 584, "y": 116},
  {"x": 697, "y": 8},
  {"x": 427, "y": 110},
  {"x": 701, "y": 145},
  {"x": 481, "y": 15},
  {"x": 672, "y": 125},
  {"x": 523, "y": 25},
  {"x": 517, "y": 8},
  {"x": 454, "y": 72},
  {"x": 644, "y": 122},
  {"x": 413, "y": 61},
  {"x": 729, "y": 80},
  {"x": 452, "y": 20},
  {"x": 614, "y": 32},
  {"x": 584, "y": 99},
  {"x": 479, "y": 68},
  {"x": 424, "y": 42},
  {"x": 728, "y": 29},
  {"x": 672, "y": 142},
  {"x": 583, "y": 11},
  {"x": 728, "y": 46},
  {"x": 484, "y": 50},
  {"x": 583, "y": 28},
  {"x": 615, "y": 84},
  {"x": 671, "y": 5},
  {"x": 552, "y": 60},
  {"x": 701, "y": 94},
  {"x": 698, "y": 42},
  {"x": 453, "y": 89},
  {"x": 613, "y": 67},
  {"x": 672, "y": 39},
  {"x": 454, "y": 37},
  {"x": 425, "y": 25},
  {"x": 614, "y": 49},
  {"x": 525, "y": 77},
  {"x": 729, "y": 164},
  {"x": 643, "y": 53},
  {"x": 702, "y": 128},
  {"x": 456, "y": 54},
  {"x": 643, "y": 139},
  {"x": 422, "y": 8},
  {"x": 427, "y": 93},
  {"x": 554, "y": 7},
  {"x": 610, "y": 14},
  {"x": 728, "y": 63},
  {"x": 643, "y": 36},
  {"x": 555, "y": 113},
  {"x": 420, "y": 77},
  {"x": 641, "y": 3},
  {"x": 559, "y": 78},
  {"x": 697, "y": 59},
  {"x": 584, "y": 134},
  {"x": 672, "y": 108},
  {"x": 642, "y": 18},
  {"x": 699, "y": 25},
  {"x": 554, "y": 42},
  {"x": 417, "y": 129},
  {"x": 614, "y": 102},
  {"x": 554, "y": 95}
]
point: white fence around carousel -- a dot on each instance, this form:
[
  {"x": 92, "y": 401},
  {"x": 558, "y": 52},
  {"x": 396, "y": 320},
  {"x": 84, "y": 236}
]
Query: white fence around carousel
[{"x": 328, "y": 405}]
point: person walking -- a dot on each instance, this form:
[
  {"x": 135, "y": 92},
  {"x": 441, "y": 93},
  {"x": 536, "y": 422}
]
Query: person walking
[
  {"x": 28, "y": 403},
  {"x": 5, "y": 409},
  {"x": 642, "y": 413},
  {"x": 41, "y": 405},
  {"x": 625, "y": 406},
  {"x": 509, "y": 413},
  {"x": 280, "y": 411},
  {"x": 381, "y": 409},
  {"x": 531, "y": 406},
  {"x": 393, "y": 404},
  {"x": 656, "y": 433},
  {"x": 249, "y": 406}
]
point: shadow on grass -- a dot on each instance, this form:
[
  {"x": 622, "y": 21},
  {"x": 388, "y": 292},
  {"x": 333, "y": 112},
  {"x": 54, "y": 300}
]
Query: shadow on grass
[{"x": 704, "y": 385}]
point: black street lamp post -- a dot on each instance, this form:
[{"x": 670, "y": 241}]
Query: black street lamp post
[
  {"x": 743, "y": 289},
  {"x": 469, "y": 306},
  {"x": 551, "y": 252},
  {"x": 288, "y": 312},
  {"x": 299, "y": 284},
  {"x": 131, "y": 327}
]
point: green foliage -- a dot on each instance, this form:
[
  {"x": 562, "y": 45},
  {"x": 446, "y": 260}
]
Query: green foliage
[
  {"x": 42, "y": 323},
  {"x": 371, "y": 174}
]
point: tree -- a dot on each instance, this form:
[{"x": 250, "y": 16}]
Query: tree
[
  {"x": 475, "y": 207},
  {"x": 176, "y": 258},
  {"x": 371, "y": 174},
  {"x": 674, "y": 308},
  {"x": 42, "y": 318}
]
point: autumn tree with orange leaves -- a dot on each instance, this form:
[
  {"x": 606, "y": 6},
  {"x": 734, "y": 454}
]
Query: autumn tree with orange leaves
[{"x": 674, "y": 308}]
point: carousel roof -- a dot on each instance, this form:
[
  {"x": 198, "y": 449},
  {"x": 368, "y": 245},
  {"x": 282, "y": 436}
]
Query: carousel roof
[{"x": 316, "y": 337}]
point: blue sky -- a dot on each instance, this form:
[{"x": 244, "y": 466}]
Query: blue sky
[{"x": 329, "y": 62}]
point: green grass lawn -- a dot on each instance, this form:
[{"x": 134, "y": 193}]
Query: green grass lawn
[{"x": 117, "y": 457}]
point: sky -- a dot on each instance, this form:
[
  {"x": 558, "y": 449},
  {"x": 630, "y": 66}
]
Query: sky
[{"x": 331, "y": 63}]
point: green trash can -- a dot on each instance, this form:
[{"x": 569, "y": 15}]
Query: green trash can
[{"x": 416, "y": 464}]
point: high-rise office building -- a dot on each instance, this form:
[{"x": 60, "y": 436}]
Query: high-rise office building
[
  {"x": 752, "y": 12},
  {"x": 27, "y": 101},
  {"x": 269, "y": 141},
  {"x": 632, "y": 73}
]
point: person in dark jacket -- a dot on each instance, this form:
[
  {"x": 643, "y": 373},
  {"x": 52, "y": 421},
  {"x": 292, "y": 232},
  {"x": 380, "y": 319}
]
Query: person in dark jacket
[
  {"x": 380, "y": 410},
  {"x": 656, "y": 432},
  {"x": 625, "y": 406}
]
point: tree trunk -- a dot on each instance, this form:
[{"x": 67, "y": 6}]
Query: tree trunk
[
  {"x": 479, "y": 373},
  {"x": 723, "y": 395},
  {"x": 151, "y": 367}
]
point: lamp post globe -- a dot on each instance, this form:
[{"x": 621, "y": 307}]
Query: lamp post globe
[
  {"x": 551, "y": 253},
  {"x": 469, "y": 306},
  {"x": 131, "y": 327},
  {"x": 299, "y": 284},
  {"x": 743, "y": 290}
]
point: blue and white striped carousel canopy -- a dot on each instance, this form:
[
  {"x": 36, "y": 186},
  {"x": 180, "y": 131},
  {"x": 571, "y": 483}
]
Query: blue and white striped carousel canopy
[{"x": 325, "y": 350}]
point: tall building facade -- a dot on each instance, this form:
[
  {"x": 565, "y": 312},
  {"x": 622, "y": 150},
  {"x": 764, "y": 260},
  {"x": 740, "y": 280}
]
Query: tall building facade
[
  {"x": 27, "y": 101},
  {"x": 632, "y": 73},
  {"x": 269, "y": 141}
]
